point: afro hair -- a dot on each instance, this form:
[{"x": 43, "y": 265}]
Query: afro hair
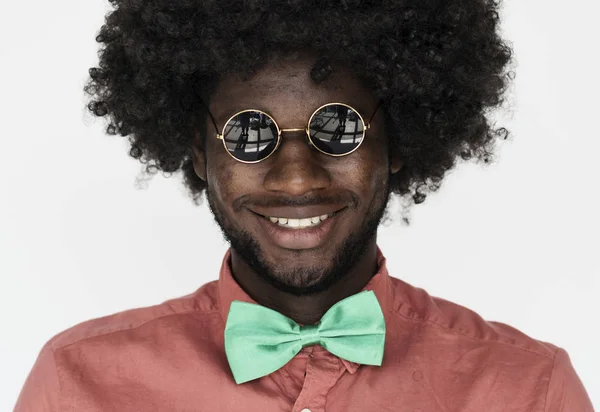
[{"x": 439, "y": 66}]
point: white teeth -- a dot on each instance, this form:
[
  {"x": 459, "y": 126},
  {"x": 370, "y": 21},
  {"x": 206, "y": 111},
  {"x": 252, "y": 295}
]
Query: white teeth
[{"x": 298, "y": 223}]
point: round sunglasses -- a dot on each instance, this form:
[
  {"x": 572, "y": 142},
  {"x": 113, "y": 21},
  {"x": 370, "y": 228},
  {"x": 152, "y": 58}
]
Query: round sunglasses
[{"x": 335, "y": 129}]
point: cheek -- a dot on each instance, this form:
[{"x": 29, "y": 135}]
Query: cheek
[
  {"x": 362, "y": 173},
  {"x": 377, "y": 158},
  {"x": 367, "y": 168},
  {"x": 219, "y": 173},
  {"x": 229, "y": 179}
]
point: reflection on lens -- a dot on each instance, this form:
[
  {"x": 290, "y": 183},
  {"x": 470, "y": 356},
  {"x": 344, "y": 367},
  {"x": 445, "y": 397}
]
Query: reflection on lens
[
  {"x": 336, "y": 129},
  {"x": 250, "y": 135}
]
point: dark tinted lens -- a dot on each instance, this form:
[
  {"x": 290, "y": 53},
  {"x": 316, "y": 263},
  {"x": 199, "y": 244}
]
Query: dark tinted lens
[
  {"x": 250, "y": 136},
  {"x": 336, "y": 129}
]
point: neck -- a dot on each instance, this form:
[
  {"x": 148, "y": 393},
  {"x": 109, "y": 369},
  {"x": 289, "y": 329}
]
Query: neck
[{"x": 305, "y": 310}]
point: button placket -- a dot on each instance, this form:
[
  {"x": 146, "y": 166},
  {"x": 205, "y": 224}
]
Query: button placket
[{"x": 321, "y": 374}]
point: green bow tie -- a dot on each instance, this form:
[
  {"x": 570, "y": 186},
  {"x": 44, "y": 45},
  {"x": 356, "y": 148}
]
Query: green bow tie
[{"x": 259, "y": 340}]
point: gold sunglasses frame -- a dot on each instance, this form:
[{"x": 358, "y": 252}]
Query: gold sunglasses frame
[{"x": 366, "y": 126}]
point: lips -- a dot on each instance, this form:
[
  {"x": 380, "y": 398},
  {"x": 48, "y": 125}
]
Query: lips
[
  {"x": 299, "y": 238},
  {"x": 296, "y": 212}
]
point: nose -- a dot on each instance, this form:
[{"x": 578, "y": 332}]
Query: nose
[{"x": 295, "y": 167}]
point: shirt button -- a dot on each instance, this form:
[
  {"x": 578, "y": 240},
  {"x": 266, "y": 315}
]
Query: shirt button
[{"x": 417, "y": 375}]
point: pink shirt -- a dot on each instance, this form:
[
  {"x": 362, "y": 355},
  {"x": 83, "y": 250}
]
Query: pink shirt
[{"x": 170, "y": 357}]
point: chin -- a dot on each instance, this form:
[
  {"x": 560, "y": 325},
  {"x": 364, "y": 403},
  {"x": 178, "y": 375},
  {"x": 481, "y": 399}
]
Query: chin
[{"x": 298, "y": 276}]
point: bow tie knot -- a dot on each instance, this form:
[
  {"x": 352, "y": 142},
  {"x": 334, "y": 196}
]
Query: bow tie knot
[
  {"x": 259, "y": 340},
  {"x": 309, "y": 335}
]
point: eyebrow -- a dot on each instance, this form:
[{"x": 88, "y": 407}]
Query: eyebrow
[
  {"x": 230, "y": 113},
  {"x": 222, "y": 117}
]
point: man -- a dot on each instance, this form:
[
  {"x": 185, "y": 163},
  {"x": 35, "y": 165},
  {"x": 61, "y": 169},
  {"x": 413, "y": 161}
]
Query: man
[{"x": 304, "y": 315}]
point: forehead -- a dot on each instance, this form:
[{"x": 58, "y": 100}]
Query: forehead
[{"x": 286, "y": 90}]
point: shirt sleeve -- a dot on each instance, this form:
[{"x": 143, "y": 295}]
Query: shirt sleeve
[
  {"x": 41, "y": 389},
  {"x": 565, "y": 390}
]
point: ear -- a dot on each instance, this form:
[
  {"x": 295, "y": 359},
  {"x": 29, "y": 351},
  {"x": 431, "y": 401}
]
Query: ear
[
  {"x": 395, "y": 164},
  {"x": 199, "y": 160}
]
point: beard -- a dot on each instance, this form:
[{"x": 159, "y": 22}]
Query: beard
[{"x": 305, "y": 280}]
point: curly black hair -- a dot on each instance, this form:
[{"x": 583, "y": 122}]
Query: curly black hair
[{"x": 439, "y": 66}]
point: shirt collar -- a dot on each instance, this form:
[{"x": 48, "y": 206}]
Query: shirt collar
[{"x": 230, "y": 290}]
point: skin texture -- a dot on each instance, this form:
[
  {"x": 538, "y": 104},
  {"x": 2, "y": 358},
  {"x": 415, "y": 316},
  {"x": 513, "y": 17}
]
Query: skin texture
[{"x": 299, "y": 283}]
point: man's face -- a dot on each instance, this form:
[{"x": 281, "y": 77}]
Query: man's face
[{"x": 297, "y": 181}]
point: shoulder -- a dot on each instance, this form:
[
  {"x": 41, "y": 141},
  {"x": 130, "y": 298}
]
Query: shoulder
[
  {"x": 203, "y": 301},
  {"x": 41, "y": 390},
  {"x": 449, "y": 318},
  {"x": 451, "y": 339}
]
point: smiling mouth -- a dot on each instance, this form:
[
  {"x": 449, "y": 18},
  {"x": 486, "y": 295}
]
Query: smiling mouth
[
  {"x": 299, "y": 234},
  {"x": 300, "y": 223}
]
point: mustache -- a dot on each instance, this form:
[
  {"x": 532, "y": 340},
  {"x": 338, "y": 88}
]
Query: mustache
[{"x": 347, "y": 198}]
